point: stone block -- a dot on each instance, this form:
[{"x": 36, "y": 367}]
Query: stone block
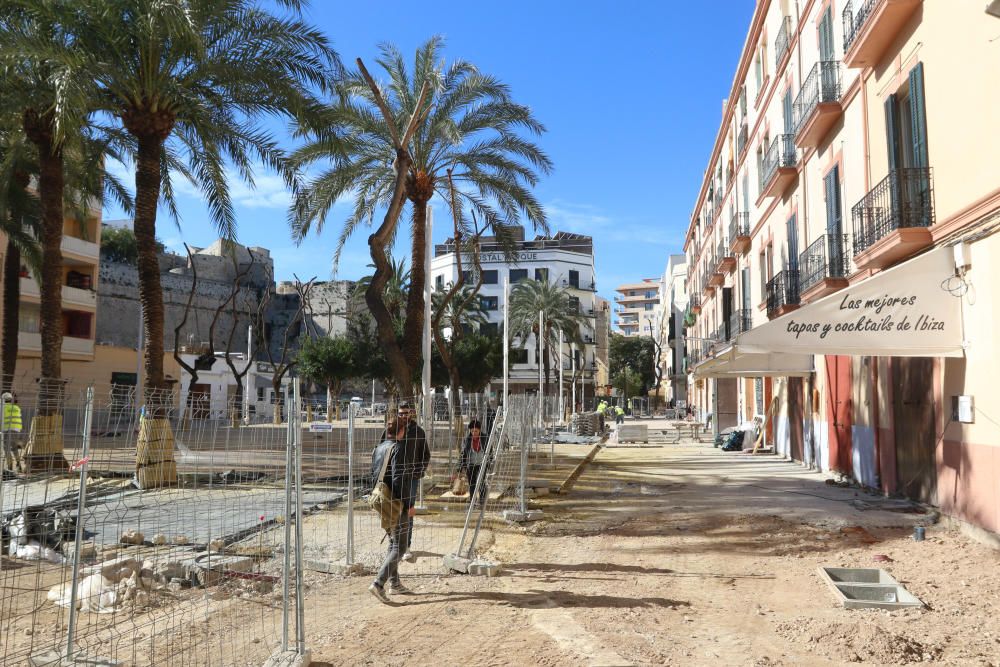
[{"x": 290, "y": 659}]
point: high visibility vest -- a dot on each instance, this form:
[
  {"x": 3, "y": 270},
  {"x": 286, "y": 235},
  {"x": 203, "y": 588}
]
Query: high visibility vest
[{"x": 12, "y": 418}]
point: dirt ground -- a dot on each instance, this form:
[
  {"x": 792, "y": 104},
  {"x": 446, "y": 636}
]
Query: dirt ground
[{"x": 680, "y": 555}]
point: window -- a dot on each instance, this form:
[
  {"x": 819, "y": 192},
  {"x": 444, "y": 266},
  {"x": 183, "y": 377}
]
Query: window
[
  {"x": 488, "y": 302},
  {"x": 792, "y": 261},
  {"x": 743, "y": 101},
  {"x": 517, "y": 275},
  {"x": 260, "y": 393},
  {"x": 489, "y": 328},
  {"x": 574, "y": 279},
  {"x": 831, "y": 185},
  {"x": 518, "y": 355},
  {"x": 826, "y": 50},
  {"x": 542, "y": 275},
  {"x": 574, "y": 304},
  {"x": 758, "y": 72},
  {"x": 439, "y": 282},
  {"x": 650, "y": 294},
  {"x": 763, "y": 274},
  {"x": 467, "y": 277},
  {"x": 648, "y": 306},
  {"x": 760, "y": 166},
  {"x": 490, "y": 277}
]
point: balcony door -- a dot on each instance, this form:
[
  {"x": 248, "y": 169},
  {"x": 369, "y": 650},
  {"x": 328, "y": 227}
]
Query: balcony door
[
  {"x": 828, "y": 73},
  {"x": 906, "y": 140},
  {"x": 834, "y": 223}
]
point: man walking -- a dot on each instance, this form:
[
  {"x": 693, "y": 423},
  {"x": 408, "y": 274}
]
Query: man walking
[
  {"x": 11, "y": 426},
  {"x": 414, "y": 442}
]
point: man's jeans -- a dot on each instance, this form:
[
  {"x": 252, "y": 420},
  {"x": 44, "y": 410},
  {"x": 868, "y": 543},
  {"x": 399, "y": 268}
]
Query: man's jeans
[{"x": 399, "y": 539}]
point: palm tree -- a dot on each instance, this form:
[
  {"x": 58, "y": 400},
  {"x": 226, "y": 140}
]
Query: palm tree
[
  {"x": 396, "y": 290},
  {"x": 19, "y": 221},
  {"x": 49, "y": 94},
  {"x": 530, "y": 297},
  {"x": 388, "y": 143},
  {"x": 194, "y": 78}
]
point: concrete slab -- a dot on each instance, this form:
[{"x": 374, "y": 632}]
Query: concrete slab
[
  {"x": 290, "y": 659},
  {"x": 56, "y": 659},
  {"x": 867, "y": 588},
  {"x": 520, "y": 517},
  {"x": 342, "y": 569}
]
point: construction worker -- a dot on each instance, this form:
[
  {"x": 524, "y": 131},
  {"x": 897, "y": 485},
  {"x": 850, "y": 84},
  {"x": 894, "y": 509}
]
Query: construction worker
[
  {"x": 619, "y": 415},
  {"x": 10, "y": 424}
]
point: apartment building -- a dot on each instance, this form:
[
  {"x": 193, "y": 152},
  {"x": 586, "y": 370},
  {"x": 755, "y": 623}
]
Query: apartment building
[
  {"x": 670, "y": 316},
  {"x": 635, "y": 313},
  {"x": 854, "y": 156},
  {"x": 565, "y": 259},
  {"x": 81, "y": 246}
]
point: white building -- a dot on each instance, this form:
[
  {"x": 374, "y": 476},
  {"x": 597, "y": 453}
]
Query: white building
[
  {"x": 670, "y": 313},
  {"x": 565, "y": 259},
  {"x": 637, "y": 307}
]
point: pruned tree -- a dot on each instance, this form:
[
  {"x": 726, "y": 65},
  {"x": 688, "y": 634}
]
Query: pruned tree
[
  {"x": 192, "y": 371},
  {"x": 327, "y": 362}
]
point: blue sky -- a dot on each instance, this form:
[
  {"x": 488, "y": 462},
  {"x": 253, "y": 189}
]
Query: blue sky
[{"x": 630, "y": 92}]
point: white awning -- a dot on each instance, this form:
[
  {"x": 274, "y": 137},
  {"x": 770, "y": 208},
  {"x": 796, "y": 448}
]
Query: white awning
[
  {"x": 905, "y": 311},
  {"x": 733, "y": 363}
]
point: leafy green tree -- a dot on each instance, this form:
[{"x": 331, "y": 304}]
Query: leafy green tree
[
  {"x": 329, "y": 362},
  {"x": 527, "y": 299},
  {"x": 390, "y": 144},
  {"x": 478, "y": 357},
  {"x": 627, "y": 381},
  {"x": 637, "y": 353}
]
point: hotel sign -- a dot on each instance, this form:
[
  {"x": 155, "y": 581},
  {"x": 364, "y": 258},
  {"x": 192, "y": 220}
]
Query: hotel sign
[{"x": 498, "y": 257}]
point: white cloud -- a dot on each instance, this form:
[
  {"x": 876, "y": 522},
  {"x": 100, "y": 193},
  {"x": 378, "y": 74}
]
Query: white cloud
[{"x": 590, "y": 220}]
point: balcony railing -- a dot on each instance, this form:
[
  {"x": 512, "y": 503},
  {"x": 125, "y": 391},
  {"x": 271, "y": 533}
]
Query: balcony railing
[
  {"x": 739, "y": 225},
  {"x": 853, "y": 22},
  {"x": 904, "y": 198},
  {"x": 821, "y": 86},
  {"x": 694, "y": 300},
  {"x": 740, "y": 321},
  {"x": 780, "y": 154},
  {"x": 783, "y": 40},
  {"x": 826, "y": 257},
  {"x": 741, "y": 138},
  {"x": 782, "y": 290}
]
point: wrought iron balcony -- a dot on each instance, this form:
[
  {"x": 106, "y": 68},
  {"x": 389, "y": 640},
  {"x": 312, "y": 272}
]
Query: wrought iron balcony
[
  {"x": 782, "y": 41},
  {"x": 779, "y": 166},
  {"x": 903, "y": 200},
  {"x": 724, "y": 259},
  {"x": 870, "y": 26},
  {"x": 694, "y": 302},
  {"x": 740, "y": 321},
  {"x": 739, "y": 232},
  {"x": 825, "y": 259},
  {"x": 782, "y": 292},
  {"x": 817, "y": 106}
]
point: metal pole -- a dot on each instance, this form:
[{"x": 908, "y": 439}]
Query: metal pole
[
  {"x": 373, "y": 397},
  {"x": 300, "y": 603},
  {"x": 506, "y": 341},
  {"x": 3, "y": 450},
  {"x": 562, "y": 407},
  {"x": 138, "y": 352},
  {"x": 287, "y": 564},
  {"x": 350, "y": 484},
  {"x": 81, "y": 501},
  {"x": 572, "y": 379},
  {"x": 425, "y": 384},
  {"x": 493, "y": 444},
  {"x": 541, "y": 353},
  {"x": 249, "y": 376}
]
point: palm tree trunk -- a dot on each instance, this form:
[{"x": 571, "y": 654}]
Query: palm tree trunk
[
  {"x": 413, "y": 329},
  {"x": 45, "y": 445},
  {"x": 11, "y": 312},
  {"x": 155, "y": 448}
]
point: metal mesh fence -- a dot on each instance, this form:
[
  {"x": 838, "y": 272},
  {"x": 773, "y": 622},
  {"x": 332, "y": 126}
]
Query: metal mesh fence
[{"x": 147, "y": 533}]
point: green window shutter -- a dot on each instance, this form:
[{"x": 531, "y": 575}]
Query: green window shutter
[
  {"x": 826, "y": 36},
  {"x": 918, "y": 117},
  {"x": 892, "y": 132},
  {"x": 831, "y": 184}
]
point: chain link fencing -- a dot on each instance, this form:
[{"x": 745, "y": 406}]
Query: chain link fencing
[{"x": 140, "y": 532}]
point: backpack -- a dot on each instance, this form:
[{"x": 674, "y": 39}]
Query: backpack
[{"x": 380, "y": 499}]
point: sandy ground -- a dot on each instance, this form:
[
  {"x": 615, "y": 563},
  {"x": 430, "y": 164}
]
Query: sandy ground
[{"x": 680, "y": 555}]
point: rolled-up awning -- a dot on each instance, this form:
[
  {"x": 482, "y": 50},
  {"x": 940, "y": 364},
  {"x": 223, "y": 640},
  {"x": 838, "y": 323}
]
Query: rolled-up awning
[
  {"x": 732, "y": 363},
  {"x": 905, "y": 311}
]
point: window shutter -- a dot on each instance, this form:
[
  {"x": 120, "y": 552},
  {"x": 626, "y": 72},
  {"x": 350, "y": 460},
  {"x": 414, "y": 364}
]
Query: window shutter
[
  {"x": 826, "y": 36},
  {"x": 918, "y": 117},
  {"x": 833, "y": 216},
  {"x": 892, "y": 132}
]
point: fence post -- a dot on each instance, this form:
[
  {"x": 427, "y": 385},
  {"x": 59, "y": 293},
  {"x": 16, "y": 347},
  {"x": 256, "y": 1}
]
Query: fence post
[
  {"x": 81, "y": 501},
  {"x": 300, "y": 605},
  {"x": 287, "y": 564},
  {"x": 3, "y": 454},
  {"x": 349, "y": 560}
]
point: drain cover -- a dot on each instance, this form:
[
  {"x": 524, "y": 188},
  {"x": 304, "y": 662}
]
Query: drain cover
[{"x": 867, "y": 588}]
